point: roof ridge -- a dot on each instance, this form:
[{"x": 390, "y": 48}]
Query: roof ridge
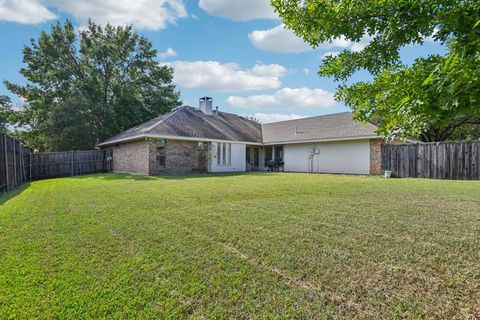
[
  {"x": 248, "y": 121},
  {"x": 233, "y": 127},
  {"x": 320, "y": 116},
  {"x": 164, "y": 117},
  {"x": 216, "y": 127}
]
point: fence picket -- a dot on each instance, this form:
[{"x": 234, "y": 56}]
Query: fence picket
[
  {"x": 6, "y": 181},
  {"x": 19, "y": 164},
  {"x": 444, "y": 160}
]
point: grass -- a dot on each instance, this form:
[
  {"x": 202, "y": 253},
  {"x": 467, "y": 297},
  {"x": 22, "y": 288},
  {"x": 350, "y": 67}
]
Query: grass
[{"x": 261, "y": 245}]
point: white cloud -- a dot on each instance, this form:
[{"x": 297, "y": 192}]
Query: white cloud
[
  {"x": 274, "y": 117},
  {"x": 306, "y": 71},
  {"x": 215, "y": 76},
  {"x": 286, "y": 98},
  {"x": 278, "y": 40},
  {"x": 362, "y": 44},
  {"x": 168, "y": 53},
  {"x": 269, "y": 70},
  {"x": 239, "y": 10},
  {"x": 143, "y": 14},
  {"x": 282, "y": 40},
  {"x": 24, "y": 11}
]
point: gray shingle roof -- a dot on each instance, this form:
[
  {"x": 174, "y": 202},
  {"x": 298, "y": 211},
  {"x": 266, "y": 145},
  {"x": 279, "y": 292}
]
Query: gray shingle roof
[
  {"x": 190, "y": 122},
  {"x": 193, "y": 123},
  {"x": 327, "y": 127}
]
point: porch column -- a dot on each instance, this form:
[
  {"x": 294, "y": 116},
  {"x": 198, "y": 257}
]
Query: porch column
[{"x": 273, "y": 152}]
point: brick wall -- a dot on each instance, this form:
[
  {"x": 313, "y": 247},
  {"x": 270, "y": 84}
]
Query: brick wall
[
  {"x": 376, "y": 157},
  {"x": 184, "y": 157},
  {"x": 141, "y": 157},
  {"x": 132, "y": 157}
]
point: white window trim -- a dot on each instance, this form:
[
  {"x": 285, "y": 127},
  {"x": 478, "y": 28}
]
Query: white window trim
[{"x": 221, "y": 146}]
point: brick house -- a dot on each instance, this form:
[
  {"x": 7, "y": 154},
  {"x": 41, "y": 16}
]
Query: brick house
[{"x": 205, "y": 140}]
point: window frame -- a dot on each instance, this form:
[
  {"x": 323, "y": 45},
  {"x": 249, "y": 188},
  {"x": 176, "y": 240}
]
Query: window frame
[
  {"x": 160, "y": 151},
  {"x": 224, "y": 154}
]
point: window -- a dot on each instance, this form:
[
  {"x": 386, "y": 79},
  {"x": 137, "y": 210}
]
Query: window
[
  {"x": 160, "y": 146},
  {"x": 224, "y": 154}
]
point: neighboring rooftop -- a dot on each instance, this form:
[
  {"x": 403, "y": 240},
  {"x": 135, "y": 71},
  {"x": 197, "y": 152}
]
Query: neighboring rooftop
[
  {"x": 191, "y": 122},
  {"x": 335, "y": 126}
]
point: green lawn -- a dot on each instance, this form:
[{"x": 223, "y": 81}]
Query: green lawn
[{"x": 261, "y": 245}]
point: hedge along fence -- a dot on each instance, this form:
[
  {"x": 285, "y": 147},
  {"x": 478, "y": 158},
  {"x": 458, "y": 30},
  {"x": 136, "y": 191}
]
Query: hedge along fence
[
  {"x": 19, "y": 164},
  {"x": 438, "y": 160}
]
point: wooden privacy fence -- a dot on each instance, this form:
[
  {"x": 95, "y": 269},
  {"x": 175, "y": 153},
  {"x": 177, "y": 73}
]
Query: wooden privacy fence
[
  {"x": 19, "y": 164},
  {"x": 69, "y": 163},
  {"x": 442, "y": 160},
  {"x": 13, "y": 169}
]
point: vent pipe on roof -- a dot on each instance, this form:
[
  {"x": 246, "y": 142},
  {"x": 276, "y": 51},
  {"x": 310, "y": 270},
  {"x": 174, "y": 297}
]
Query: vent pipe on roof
[{"x": 206, "y": 105}]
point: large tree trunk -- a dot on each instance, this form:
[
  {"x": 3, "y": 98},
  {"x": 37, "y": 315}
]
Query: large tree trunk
[{"x": 438, "y": 134}]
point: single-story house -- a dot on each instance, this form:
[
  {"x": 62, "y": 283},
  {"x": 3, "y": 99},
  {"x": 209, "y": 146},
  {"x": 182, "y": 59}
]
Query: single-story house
[{"x": 201, "y": 139}]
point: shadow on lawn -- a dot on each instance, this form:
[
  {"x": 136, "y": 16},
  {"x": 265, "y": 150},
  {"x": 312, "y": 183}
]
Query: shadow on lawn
[
  {"x": 127, "y": 176},
  {"x": 5, "y": 197}
]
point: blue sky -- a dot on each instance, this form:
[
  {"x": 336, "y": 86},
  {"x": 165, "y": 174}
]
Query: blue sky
[{"x": 235, "y": 51}]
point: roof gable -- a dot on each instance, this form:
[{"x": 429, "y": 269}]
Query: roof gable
[
  {"x": 193, "y": 123},
  {"x": 326, "y": 127}
]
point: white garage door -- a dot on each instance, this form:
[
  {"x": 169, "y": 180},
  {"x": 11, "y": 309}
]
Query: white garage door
[{"x": 332, "y": 157}]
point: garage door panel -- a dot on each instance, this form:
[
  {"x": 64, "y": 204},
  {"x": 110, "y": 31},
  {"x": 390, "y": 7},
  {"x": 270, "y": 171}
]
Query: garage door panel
[{"x": 339, "y": 157}]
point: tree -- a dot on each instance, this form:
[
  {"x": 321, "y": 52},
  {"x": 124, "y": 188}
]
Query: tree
[
  {"x": 70, "y": 124},
  {"x": 430, "y": 99},
  {"x": 83, "y": 89},
  {"x": 5, "y": 112},
  {"x": 403, "y": 103}
]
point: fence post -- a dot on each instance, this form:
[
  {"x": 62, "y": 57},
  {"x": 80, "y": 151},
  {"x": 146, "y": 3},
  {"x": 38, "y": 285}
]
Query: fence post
[
  {"x": 72, "y": 161},
  {"x": 5, "y": 155},
  {"x": 14, "y": 163},
  {"x": 30, "y": 164},
  {"x": 22, "y": 168}
]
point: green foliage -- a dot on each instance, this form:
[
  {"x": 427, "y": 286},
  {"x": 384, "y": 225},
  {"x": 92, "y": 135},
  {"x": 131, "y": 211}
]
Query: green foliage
[
  {"x": 407, "y": 102},
  {"x": 5, "y": 111},
  {"x": 430, "y": 99},
  {"x": 84, "y": 89},
  {"x": 240, "y": 246},
  {"x": 70, "y": 124}
]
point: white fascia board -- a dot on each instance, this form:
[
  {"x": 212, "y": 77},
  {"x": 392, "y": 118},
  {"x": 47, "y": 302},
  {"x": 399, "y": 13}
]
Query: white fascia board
[
  {"x": 153, "y": 136},
  {"x": 325, "y": 140}
]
